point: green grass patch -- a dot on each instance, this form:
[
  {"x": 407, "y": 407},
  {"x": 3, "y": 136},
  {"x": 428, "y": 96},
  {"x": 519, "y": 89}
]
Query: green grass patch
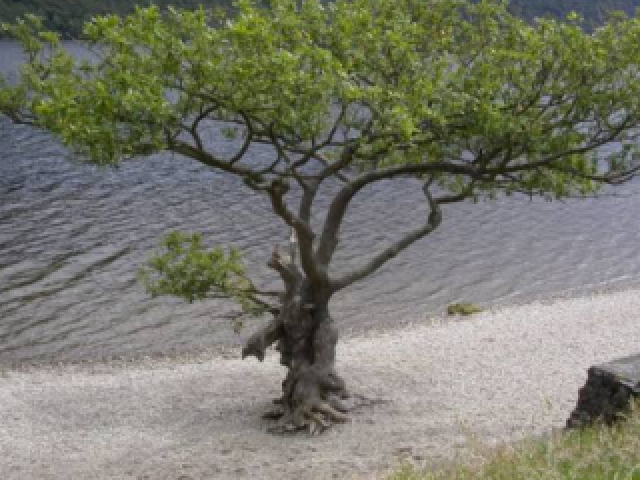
[
  {"x": 464, "y": 308},
  {"x": 597, "y": 453}
]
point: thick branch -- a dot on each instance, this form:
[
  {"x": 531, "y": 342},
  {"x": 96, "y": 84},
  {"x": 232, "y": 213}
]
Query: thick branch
[
  {"x": 305, "y": 243},
  {"x": 337, "y": 209},
  {"x": 434, "y": 219},
  {"x": 263, "y": 339},
  {"x": 288, "y": 271},
  {"x": 302, "y": 227},
  {"x": 206, "y": 158}
]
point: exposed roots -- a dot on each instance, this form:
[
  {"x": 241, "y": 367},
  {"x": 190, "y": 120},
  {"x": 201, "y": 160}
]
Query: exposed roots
[{"x": 315, "y": 418}]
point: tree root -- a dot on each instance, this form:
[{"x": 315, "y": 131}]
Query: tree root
[{"x": 317, "y": 416}]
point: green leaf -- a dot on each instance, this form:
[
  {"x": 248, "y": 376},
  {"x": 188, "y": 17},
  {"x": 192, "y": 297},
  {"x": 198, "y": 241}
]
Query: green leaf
[{"x": 185, "y": 268}]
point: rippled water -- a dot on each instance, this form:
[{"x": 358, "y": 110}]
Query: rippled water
[{"x": 72, "y": 238}]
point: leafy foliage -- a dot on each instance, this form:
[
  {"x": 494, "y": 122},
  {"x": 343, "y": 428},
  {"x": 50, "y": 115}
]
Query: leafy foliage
[
  {"x": 184, "y": 268},
  {"x": 462, "y": 95}
]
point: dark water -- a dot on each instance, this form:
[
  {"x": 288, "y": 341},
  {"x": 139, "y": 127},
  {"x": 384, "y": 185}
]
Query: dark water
[{"x": 72, "y": 238}]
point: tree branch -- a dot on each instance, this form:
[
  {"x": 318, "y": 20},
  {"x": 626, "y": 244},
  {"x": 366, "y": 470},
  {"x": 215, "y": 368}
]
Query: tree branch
[
  {"x": 305, "y": 234},
  {"x": 338, "y": 208},
  {"x": 434, "y": 219},
  {"x": 247, "y": 142},
  {"x": 183, "y": 148},
  {"x": 21, "y": 118}
]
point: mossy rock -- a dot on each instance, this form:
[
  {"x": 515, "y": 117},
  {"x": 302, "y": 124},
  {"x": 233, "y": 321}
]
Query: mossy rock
[{"x": 465, "y": 308}]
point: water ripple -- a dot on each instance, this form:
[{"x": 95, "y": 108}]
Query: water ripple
[{"x": 73, "y": 236}]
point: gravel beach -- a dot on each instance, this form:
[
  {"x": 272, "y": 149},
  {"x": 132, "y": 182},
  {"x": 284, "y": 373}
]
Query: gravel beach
[{"x": 451, "y": 385}]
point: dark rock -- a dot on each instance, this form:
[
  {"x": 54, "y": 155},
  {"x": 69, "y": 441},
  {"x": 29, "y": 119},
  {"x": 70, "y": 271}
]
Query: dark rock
[{"x": 606, "y": 395}]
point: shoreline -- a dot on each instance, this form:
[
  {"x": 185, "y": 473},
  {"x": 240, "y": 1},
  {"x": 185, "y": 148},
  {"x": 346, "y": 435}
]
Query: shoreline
[
  {"x": 497, "y": 376},
  {"x": 227, "y": 352}
]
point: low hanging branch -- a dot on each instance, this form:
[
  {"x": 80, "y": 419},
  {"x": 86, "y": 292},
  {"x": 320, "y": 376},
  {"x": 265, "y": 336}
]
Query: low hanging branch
[{"x": 185, "y": 268}]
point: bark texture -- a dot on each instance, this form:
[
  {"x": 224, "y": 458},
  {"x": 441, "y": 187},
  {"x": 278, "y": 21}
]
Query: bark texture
[{"x": 313, "y": 394}]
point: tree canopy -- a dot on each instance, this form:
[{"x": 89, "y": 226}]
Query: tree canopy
[
  {"x": 463, "y": 96},
  {"x": 463, "y": 93}
]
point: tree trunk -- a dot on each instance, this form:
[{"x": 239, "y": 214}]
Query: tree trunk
[{"x": 313, "y": 395}]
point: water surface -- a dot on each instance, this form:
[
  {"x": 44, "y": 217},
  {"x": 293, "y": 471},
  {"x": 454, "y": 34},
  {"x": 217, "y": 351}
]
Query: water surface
[{"x": 73, "y": 236}]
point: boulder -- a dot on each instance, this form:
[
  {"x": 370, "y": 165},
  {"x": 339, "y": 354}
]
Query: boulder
[{"x": 607, "y": 394}]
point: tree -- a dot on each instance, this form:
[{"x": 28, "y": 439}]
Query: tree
[{"x": 462, "y": 96}]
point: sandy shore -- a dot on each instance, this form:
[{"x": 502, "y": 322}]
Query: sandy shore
[{"x": 495, "y": 377}]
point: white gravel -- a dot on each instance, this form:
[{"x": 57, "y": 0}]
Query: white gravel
[{"x": 495, "y": 377}]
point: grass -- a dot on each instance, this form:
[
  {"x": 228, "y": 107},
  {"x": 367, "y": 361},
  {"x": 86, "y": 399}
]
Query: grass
[
  {"x": 597, "y": 453},
  {"x": 465, "y": 308}
]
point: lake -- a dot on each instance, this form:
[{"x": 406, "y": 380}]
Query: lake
[{"x": 72, "y": 238}]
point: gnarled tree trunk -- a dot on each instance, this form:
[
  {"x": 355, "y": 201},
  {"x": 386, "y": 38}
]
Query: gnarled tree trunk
[{"x": 313, "y": 394}]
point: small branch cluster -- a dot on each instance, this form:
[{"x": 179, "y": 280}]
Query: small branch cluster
[{"x": 186, "y": 269}]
